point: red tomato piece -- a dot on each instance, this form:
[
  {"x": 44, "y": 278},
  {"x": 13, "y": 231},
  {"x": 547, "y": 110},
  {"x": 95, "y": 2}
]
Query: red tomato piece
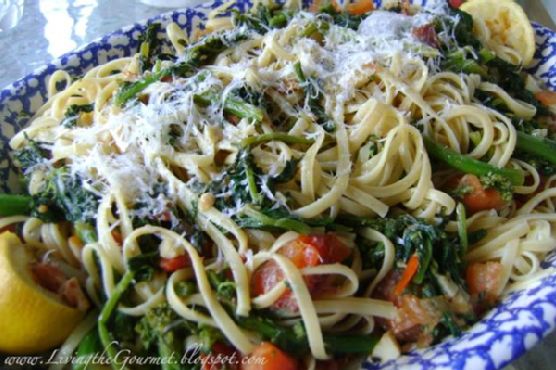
[
  {"x": 426, "y": 34},
  {"x": 174, "y": 263},
  {"x": 479, "y": 198},
  {"x": 222, "y": 357},
  {"x": 306, "y": 251},
  {"x": 267, "y": 356},
  {"x": 329, "y": 247},
  {"x": 546, "y": 97},
  {"x": 413, "y": 313},
  {"x": 484, "y": 278}
]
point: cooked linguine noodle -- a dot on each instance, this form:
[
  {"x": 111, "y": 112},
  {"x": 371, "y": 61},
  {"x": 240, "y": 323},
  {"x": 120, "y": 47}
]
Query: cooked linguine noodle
[{"x": 293, "y": 169}]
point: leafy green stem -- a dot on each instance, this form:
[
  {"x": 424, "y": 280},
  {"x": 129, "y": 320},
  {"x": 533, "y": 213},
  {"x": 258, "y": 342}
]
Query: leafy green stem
[
  {"x": 232, "y": 105},
  {"x": 462, "y": 228},
  {"x": 86, "y": 232},
  {"x": 105, "y": 336},
  {"x": 542, "y": 148},
  {"x": 470, "y": 165},
  {"x": 275, "y": 136},
  {"x": 15, "y": 205}
]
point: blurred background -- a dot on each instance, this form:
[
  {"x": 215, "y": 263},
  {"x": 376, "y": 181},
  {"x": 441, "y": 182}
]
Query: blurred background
[
  {"x": 42, "y": 30},
  {"x": 33, "y": 32}
]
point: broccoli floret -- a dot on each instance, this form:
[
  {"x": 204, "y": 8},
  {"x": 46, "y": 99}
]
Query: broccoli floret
[
  {"x": 499, "y": 183},
  {"x": 31, "y": 155},
  {"x": 63, "y": 197},
  {"x": 156, "y": 330}
]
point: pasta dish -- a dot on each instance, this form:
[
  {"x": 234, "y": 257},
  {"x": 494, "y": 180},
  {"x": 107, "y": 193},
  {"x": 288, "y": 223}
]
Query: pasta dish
[{"x": 292, "y": 188}]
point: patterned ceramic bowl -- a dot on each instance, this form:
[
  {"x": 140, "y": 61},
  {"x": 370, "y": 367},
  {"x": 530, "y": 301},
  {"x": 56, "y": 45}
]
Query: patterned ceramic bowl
[{"x": 518, "y": 323}]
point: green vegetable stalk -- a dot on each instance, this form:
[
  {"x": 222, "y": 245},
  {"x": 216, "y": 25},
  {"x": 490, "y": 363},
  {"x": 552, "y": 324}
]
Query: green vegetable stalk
[
  {"x": 232, "y": 105},
  {"x": 154, "y": 331},
  {"x": 86, "y": 232},
  {"x": 15, "y": 205},
  {"x": 294, "y": 339},
  {"x": 470, "y": 165},
  {"x": 315, "y": 96},
  {"x": 258, "y": 220},
  {"x": 105, "y": 336},
  {"x": 542, "y": 148},
  {"x": 197, "y": 55},
  {"x": 274, "y": 136},
  {"x": 88, "y": 347},
  {"x": 462, "y": 228}
]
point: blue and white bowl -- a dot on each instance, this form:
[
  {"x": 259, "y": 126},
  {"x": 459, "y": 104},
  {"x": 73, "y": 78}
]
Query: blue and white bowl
[{"x": 508, "y": 331}]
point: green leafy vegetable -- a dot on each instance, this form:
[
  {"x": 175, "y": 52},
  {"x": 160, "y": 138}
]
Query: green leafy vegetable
[
  {"x": 314, "y": 97},
  {"x": 262, "y": 18},
  {"x": 73, "y": 114},
  {"x": 277, "y": 219},
  {"x": 343, "y": 18},
  {"x": 144, "y": 265},
  {"x": 432, "y": 244},
  {"x": 465, "y": 53},
  {"x": 232, "y": 105},
  {"x": 544, "y": 149},
  {"x": 150, "y": 46},
  {"x": 31, "y": 155},
  {"x": 155, "y": 331},
  {"x": 106, "y": 338},
  {"x": 196, "y": 55},
  {"x": 87, "y": 348},
  {"x": 63, "y": 196}
]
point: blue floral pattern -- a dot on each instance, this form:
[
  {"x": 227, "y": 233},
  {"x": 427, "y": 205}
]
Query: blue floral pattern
[{"x": 507, "y": 332}]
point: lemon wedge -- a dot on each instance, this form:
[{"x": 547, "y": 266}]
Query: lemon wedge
[
  {"x": 31, "y": 318},
  {"x": 503, "y": 26}
]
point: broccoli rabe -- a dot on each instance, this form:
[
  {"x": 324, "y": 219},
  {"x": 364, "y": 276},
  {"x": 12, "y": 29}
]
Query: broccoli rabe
[
  {"x": 465, "y": 53},
  {"x": 149, "y": 47},
  {"x": 155, "y": 331},
  {"x": 467, "y": 164},
  {"x": 500, "y": 184},
  {"x": 314, "y": 97},
  {"x": 73, "y": 114},
  {"x": 15, "y": 205},
  {"x": 342, "y": 18},
  {"x": 410, "y": 235},
  {"x": 32, "y": 154},
  {"x": 233, "y": 105},
  {"x": 262, "y": 18},
  {"x": 196, "y": 55},
  {"x": 292, "y": 339},
  {"x": 63, "y": 196}
]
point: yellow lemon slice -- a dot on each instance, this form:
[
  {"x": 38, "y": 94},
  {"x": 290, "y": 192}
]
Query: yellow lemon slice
[
  {"x": 504, "y": 28},
  {"x": 31, "y": 318}
]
